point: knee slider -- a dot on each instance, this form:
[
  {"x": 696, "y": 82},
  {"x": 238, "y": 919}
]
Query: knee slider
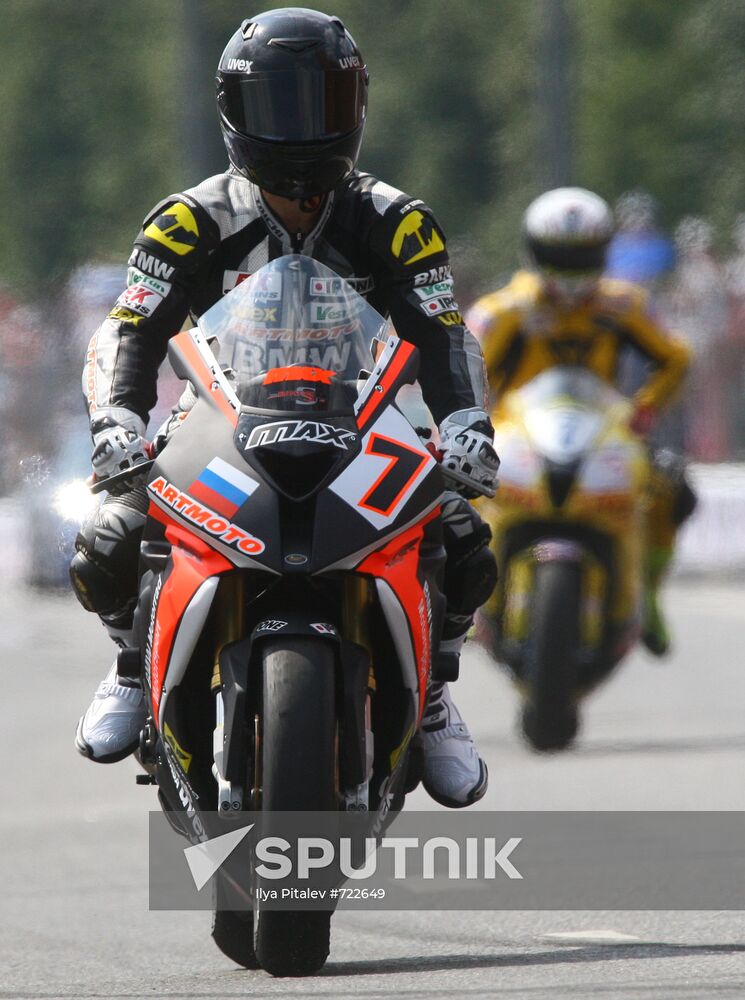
[
  {"x": 469, "y": 584},
  {"x": 471, "y": 569},
  {"x": 104, "y": 568}
]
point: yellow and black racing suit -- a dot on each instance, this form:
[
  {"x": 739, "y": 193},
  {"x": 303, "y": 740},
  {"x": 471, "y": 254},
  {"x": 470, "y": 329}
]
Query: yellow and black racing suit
[{"x": 523, "y": 332}]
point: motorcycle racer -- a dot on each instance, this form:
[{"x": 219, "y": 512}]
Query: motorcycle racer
[
  {"x": 292, "y": 97},
  {"x": 562, "y": 311}
]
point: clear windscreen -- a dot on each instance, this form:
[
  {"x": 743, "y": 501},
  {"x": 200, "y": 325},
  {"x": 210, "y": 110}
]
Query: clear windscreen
[
  {"x": 570, "y": 384},
  {"x": 293, "y": 312},
  {"x": 565, "y": 409}
]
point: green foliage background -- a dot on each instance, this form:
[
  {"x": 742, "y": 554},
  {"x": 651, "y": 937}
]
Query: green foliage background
[{"x": 106, "y": 108}]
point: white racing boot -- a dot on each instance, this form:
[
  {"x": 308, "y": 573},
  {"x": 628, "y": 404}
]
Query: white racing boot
[
  {"x": 454, "y": 773},
  {"x": 110, "y": 729}
]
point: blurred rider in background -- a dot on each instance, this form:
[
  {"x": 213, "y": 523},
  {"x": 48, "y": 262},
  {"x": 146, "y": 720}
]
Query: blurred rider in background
[
  {"x": 292, "y": 101},
  {"x": 563, "y": 311}
]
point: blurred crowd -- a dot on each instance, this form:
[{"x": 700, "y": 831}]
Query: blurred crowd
[
  {"x": 700, "y": 294},
  {"x": 695, "y": 290}
]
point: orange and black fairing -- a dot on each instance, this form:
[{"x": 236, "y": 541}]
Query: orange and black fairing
[
  {"x": 192, "y": 563},
  {"x": 398, "y": 563},
  {"x": 297, "y": 501}
]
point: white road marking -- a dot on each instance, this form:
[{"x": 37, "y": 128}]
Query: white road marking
[{"x": 592, "y": 937}]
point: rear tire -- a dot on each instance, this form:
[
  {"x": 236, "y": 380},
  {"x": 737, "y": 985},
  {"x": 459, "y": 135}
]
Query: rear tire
[
  {"x": 549, "y": 717},
  {"x": 298, "y": 769}
]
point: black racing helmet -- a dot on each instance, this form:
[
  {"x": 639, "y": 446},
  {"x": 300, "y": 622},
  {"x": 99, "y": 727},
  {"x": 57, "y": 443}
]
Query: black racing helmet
[{"x": 292, "y": 97}]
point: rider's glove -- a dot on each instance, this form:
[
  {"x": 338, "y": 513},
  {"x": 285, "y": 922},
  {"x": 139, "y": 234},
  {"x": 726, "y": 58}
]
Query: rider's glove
[
  {"x": 643, "y": 420},
  {"x": 468, "y": 456},
  {"x": 118, "y": 442}
]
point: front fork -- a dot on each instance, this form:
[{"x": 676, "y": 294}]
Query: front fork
[
  {"x": 356, "y": 617},
  {"x": 230, "y": 627},
  {"x": 230, "y": 603}
]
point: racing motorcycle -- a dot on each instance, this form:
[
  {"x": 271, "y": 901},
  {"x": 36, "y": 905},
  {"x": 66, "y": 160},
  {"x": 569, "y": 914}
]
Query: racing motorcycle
[
  {"x": 568, "y": 534},
  {"x": 289, "y": 608}
]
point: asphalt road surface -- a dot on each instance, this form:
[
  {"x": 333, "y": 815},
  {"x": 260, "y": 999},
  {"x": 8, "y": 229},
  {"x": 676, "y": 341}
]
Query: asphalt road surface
[{"x": 74, "y": 919}]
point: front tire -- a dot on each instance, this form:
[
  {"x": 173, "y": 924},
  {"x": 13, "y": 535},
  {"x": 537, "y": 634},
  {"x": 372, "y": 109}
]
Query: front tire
[
  {"x": 233, "y": 930},
  {"x": 549, "y": 717},
  {"x": 298, "y": 772}
]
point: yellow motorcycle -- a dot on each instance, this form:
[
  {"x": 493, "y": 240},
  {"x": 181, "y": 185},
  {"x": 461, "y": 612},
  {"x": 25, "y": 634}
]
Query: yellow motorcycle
[{"x": 568, "y": 525}]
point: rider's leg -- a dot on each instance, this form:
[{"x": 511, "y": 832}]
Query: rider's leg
[
  {"x": 672, "y": 502},
  {"x": 104, "y": 577},
  {"x": 454, "y": 773}
]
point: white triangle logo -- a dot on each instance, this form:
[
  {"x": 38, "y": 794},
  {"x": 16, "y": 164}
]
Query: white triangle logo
[{"x": 205, "y": 859}]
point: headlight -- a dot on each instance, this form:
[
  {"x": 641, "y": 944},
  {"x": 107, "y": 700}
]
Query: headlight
[
  {"x": 563, "y": 433},
  {"x": 74, "y": 501}
]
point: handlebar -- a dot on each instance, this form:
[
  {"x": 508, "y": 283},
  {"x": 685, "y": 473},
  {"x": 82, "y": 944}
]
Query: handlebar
[
  {"x": 458, "y": 479},
  {"x": 120, "y": 479}
]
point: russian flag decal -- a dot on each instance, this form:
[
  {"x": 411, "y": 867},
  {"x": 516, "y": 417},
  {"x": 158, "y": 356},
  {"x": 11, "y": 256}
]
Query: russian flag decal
[{"x": 222, "y": 487}]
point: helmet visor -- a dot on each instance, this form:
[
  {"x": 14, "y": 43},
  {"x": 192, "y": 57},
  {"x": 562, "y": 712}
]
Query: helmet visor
[
  {"x": 576, "y": 258},
  {"x": 302, "y": 106}
]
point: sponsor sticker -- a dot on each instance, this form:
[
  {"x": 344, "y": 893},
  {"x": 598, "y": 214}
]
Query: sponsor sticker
[
  {"x": 125, "y": 315},
  {"x": 433, "y": 307},
  {"x": 262, "y": 314},
  {"x": 90, "y": 376},
  {"x": 231, "y": 280},
  {"x": 206, "y": 519},
  {"x": 432, "y": 291},
  {"x": 451, "y": 318},
  {"x": 176, "y": 229},
  {"x": 183, "y": 758},
  {"x": 335, "y": 286},
  {"x": 335, "y": 312},
  {"x": 433, "y": 276},
  {"x": 416, "y": 238},
  {"x": 140, "y": 299},
  {"x": 150, "y": 265},
  {"x": 282, "y": 431},
  {"x": 271, "y": 625},
  {"x": 268, "y": 287},
  {"x": 307, "y": 395},
  {"x": 135, "y": 277},
  {"x": 238, "y": 65},
  {"x": 323, "y": 628}
]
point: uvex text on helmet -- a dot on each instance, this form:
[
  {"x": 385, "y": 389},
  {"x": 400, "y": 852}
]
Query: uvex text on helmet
[
  {"x": 292, "y": 98},
  {"x": 568, "y": 230}
]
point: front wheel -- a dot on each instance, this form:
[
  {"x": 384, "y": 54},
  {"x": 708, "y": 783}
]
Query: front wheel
[
  {"x": 232, "y": 929},
  {"x": 549, "y": 717},
  {"x": 298, "y": 772}
]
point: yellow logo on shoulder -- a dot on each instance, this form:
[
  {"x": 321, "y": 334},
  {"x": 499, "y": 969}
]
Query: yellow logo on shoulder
[
  {"x": 182, "y": 756},
  {"x": 416, "y": 238},
  {"x": 176, "y": 228}
]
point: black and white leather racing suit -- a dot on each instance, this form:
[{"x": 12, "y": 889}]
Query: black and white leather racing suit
[{"x": 196, "y": 246}]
